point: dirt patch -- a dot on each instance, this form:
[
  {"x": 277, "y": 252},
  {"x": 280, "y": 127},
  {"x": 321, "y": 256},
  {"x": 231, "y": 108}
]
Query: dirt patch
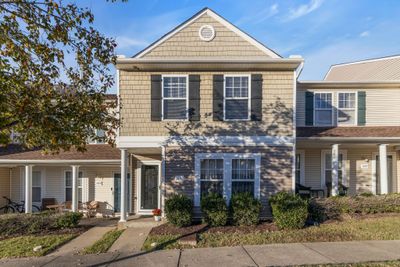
[{"x": 169, "y": 229}]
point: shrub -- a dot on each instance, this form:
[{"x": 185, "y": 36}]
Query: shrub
[
  {"x": 335, "y": 207},
  {"x": 178, "y": 210},
  {"x": 245, "y": 209},
  {"x": 68, "y": 220},
  {"x": 290, "y": 211},
  {"x": 23, "y": 224},
  {"x": 215, "y": 211}
]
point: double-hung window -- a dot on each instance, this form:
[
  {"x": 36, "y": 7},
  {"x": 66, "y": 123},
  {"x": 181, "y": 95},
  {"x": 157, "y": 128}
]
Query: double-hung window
[
  {"x": 237, "y": 97},
  {"x": 175, "y": 97},
  {"x": 36, "y": 186},
  {"x": 323, "y": 110},
  {"x": 226, "y": 174},
  {"x": 211, "y": 176},
  {"x": 346, "y": 109},
  {"x": 68, "y": 186},
  {"x": 243, "y": 175}
]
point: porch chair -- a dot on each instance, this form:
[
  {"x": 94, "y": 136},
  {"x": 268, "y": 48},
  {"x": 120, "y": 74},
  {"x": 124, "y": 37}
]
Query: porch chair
[{"x": 90, "y": 208}]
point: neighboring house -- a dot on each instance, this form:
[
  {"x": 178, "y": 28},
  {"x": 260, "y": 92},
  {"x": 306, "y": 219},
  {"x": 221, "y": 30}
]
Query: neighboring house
[
  {"x": 351, "y": 120},
  {"x": 207, "y": 108},
  {"x": 97, "y": 172}
]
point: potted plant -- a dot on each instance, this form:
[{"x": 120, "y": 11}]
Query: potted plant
[{"x": 157, "y": 215}]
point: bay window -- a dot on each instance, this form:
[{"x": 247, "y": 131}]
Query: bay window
[
  {"x": 226, "y": 174},
  {"x": 174, "y": 94}
]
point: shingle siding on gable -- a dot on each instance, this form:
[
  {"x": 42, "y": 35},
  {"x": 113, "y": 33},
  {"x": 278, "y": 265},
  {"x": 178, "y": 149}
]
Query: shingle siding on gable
[
  {"x": 277, "y": 104},
  {"x": 187, "y": 43}
]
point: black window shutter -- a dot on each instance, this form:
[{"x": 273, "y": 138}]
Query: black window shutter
[
  {"x": 309, "y": 108},
  {"x": 218, "y": 97},
  {"x": 256, "y": 97},
  {"x": 194, "y": 97},
  {"x": 361, "y": 116},
  {"x": 156, "y": 97}
]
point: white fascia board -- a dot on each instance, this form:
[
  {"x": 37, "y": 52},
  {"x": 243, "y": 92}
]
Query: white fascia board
[
  {"x": 221, "y": 20},
  {"x": 158, "y": 141}
]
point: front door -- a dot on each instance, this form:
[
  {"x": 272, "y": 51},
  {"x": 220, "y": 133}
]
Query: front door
[
  {"x": 149, "y": 187},
  {"x": 389, "y": 174},
  {"x": 117, "y": 192}
]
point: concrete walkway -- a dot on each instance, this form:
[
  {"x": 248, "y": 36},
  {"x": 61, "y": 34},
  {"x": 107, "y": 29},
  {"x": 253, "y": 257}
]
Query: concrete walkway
[
  {"x": 131, "y": 240},
  {"x": 82, "y": 241},
  {"x": 264, "y": 255}
]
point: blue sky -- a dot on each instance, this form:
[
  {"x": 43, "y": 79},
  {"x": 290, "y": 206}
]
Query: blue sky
[{"x": 323, "y": 32}]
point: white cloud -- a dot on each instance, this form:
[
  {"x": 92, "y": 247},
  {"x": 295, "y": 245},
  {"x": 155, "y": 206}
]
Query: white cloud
[
  {"x": 303, "y": 10},
  {"x": 260, "y": 16},
  {"x": 126, "y": 42},
  {"x": 365, "y": 34}
]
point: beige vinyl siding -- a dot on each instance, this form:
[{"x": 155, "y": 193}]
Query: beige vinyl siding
[
  {"x": 382, "y": 105},
  {"x": 4, "y": 185},
  {"x": 100, "y": 182},
  {"x": 358, "y": 179},
  {"x": 276, "y": 118},
  {"x": 276, "y": 169},
  {"x": 187, "y": 43}
]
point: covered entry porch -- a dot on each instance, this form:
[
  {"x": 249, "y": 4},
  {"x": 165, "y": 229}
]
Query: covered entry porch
[{"x": 348, "y": 166}]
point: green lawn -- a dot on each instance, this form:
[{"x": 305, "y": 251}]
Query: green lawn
[
  {"x": 23, "y": 246},
  {"x": 104, "y": 244},
  {"x": 380, "y": 228}
]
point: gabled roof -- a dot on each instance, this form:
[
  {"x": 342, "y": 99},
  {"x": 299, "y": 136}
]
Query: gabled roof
[
  {"x": 376, "y": 69},
  {"x": 269, "y": 52}
]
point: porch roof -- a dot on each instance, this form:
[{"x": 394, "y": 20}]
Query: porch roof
[
  {"x": 376, "y": 132},
  {"x": 95, "y": 153}
]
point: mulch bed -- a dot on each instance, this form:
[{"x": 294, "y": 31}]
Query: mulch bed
[{"x": 169, "y": 229}]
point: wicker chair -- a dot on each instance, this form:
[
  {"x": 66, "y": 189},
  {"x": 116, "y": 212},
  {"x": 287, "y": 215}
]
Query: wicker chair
[{"x": 90, "y": 208}]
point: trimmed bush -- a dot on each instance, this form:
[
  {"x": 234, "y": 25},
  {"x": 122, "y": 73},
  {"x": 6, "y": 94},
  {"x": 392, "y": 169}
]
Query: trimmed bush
[
  {"x": 215, "y": 211},
  {"x": 335, "y": 207},
  {"x": 178, "y": 210},
  {"x": 68, "y": 220},
  {"x": 23, "y": 224},
  {"x": 289, "y": 211},
  {"x": 245, "y": 209}
]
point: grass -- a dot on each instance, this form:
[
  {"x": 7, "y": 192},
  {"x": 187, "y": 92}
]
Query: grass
[
  {"x": 103, "y": 245},
  {"x": 23, "y": 246},
  {"x": 379, "y": 228}
]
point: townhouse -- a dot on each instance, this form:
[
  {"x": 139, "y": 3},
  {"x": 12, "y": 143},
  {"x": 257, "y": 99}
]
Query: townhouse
[{"x": 207, "y": 108}]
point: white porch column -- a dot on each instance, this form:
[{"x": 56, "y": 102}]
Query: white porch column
[
  {"x": 28, "y": 188},
  {"x": 123, "y": 207},
  {"x": 75, "y": 175},
  {"x": 383, "y": 169},
  {"x": 335, "y": 170}
]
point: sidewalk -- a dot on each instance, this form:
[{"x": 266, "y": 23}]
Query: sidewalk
[{"x": 264, "y": 255}]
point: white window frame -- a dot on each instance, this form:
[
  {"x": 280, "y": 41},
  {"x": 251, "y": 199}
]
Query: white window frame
[
  {"x": 344, "y": 170},
  {"x": 331, "y": 109},
  {"x": 355, "y": 108},
  {"x": 84, "y": 186},
  {"x": 238, "y": 98},
  {"x": 227, "y": 180},
  {"x": 130, "y": 208},
  {"x": 174, "y": 98},
  {"x": 42, "y": 183},
  {"x": 302, "y": 166}
]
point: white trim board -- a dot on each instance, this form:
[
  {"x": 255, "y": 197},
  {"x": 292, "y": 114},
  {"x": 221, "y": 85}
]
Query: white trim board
[
  {"x": 221, "y": 20},
  {"x": 158, "y": 141}
]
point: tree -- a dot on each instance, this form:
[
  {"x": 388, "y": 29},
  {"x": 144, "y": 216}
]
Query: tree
[{"x": 54, "y": 74}]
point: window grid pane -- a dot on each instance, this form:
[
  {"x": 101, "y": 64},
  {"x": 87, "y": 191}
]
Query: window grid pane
[
  {"x": 237, "y": 98},
  {"x": 174, "y": 87},
  {"x": 346, "y": 108}
]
